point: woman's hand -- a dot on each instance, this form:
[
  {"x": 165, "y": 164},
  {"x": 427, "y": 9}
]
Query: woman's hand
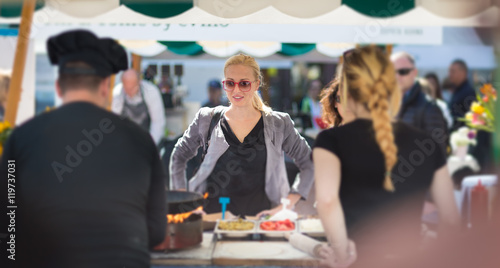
[
  {"x": 294, "y": 198},
  {"x": 332, "y": 260},
  {"x": 270, "y": 212}
]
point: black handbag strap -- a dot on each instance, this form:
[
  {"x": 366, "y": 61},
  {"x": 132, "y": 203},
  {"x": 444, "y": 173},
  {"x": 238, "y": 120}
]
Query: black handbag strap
[{"x": 216, "y": 114}]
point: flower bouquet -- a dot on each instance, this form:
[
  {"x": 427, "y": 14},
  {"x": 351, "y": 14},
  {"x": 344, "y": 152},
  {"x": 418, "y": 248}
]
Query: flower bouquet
[
  {"x": 481, "y": 114},
  {"x": 5, "y": 130},
  {"x": 461, "y": 139}
]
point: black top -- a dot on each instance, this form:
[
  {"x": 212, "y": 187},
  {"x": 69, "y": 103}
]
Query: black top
[
  {"x": 240, "y": 173},
  {"x": 89, "y": 190},
  {"x": 460, "y": 102},
  {"x": 363, "y": 171},
  {"x": 421, "y": 112}
]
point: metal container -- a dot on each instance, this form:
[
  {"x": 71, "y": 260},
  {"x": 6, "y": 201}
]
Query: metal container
[
  {"x": 186, "y": 234},
  {"x": 183, "y": 235}
]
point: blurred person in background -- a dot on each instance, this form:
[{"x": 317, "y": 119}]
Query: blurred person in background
[
  {"x": 463, "y": 93},
  {"x": 166, "y": 91},
  {"x": 433, "y": 80},
  {"x": 140, "y": 102},
  {"x": 430, "y": 89},
  {"x": 89, "y": 185},
  {"x": 461, "y": 100},
  {"x": 417, "y": 109},
  {"x": 367, "y": 168},
  {"x": 446, "y": 90},
  {"x": 214, "y": 94},
  {"x": 310, "y": 104},
  {"x": 245, "y": 157},
  {"x": 4, "y": 91}
]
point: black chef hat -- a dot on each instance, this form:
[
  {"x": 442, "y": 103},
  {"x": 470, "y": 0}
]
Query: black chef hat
[{"x": 104, "y": 55}]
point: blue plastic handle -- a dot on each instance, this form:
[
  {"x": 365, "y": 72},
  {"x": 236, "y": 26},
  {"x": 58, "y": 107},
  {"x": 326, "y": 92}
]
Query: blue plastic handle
[{"x": 224, "y": 201}]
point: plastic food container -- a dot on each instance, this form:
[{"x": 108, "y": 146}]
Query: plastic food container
[{"x": 235, "y": 232}]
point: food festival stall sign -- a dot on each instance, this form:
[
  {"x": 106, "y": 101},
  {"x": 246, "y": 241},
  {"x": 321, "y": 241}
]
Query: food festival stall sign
[{"x": 286, "y": 33}]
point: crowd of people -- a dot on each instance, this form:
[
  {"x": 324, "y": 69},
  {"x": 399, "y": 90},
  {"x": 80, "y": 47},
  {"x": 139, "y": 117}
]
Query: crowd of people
[{"x": 91, "y": 185}]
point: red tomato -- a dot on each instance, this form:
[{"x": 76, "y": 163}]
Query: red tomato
[
  {"x": 282, "y": 227},
  {"x": 285, "y": 225},
  {"x": 268, "y": 226}
]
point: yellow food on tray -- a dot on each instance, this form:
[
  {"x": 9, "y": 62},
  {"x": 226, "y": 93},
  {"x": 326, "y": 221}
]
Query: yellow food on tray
[{"x": 239, "y": 225}]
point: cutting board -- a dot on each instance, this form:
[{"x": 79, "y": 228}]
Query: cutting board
[
  {"x": 259, "y": 253},
  {"x": 198, "y": 255}
]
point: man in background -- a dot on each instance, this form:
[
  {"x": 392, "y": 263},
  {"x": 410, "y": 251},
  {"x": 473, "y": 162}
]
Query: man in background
[
  {"x": 463, "y": 93},
  {"x": 461, "y": 100},
  {"x": 417, "y": 108},
  {"x": 141, "y": 102},
  {"x": 214, "y": 94},
  {"x": 89, "y": 185}
]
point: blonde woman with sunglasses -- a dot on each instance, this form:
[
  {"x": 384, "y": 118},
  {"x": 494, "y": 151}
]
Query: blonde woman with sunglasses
[{"x": 245, "y": 156}]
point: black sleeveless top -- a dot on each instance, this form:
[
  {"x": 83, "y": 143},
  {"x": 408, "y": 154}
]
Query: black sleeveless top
[
  {"x": 240, "y": 173},
  {"x": 363, "y": 171}
]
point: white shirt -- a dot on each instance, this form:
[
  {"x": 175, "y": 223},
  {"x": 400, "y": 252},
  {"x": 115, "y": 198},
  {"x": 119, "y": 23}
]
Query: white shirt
[{"x": 154, "y": 102}]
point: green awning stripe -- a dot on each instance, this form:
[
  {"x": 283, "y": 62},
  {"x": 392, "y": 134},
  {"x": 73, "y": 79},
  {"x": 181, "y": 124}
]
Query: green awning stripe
[
  {"x": 158, "y": 9},
  {"x": 11, "y": 9},
  {"x": 380, "y": 8},
  {"x": 290, "y": 49},
  {"x": 183, "y": 48}
]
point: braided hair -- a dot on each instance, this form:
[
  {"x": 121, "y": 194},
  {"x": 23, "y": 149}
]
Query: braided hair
[{"x": 369, "y": 78}]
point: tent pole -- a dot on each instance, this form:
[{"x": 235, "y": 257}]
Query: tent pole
[
  {"x": 136, "y": 62},
  {"x": 19, "y": 61},
  {"x": 111, "y": 86},
  {"x": 388, "y": 49}
]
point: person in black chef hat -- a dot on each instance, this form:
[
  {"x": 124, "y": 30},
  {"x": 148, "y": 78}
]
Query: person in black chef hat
[{"x": 89, "y": 185}]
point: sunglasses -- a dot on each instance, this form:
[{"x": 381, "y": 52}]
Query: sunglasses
[
  {"x": 244, "y": 85},
  {"x": 404, "y": 71}
]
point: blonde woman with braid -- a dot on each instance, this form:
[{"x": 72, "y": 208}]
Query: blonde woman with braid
[
  {"x": 245, "y": 156},
  {"x": 366, "y": 169}
]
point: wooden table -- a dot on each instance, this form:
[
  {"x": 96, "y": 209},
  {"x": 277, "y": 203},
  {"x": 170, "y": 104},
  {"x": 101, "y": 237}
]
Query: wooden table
[{"x": 254, "y": 253}]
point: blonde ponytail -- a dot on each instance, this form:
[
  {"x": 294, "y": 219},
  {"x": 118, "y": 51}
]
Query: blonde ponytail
[
  {"x": 370, "y": 80},
  {"x": 259, "y": 104}
]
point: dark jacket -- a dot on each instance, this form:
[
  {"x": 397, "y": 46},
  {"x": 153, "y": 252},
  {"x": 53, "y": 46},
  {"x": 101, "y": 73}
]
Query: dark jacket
[
  {"x": 460, "y": 102},
  {"x": 423, "y": 113},
  {"x": 89, "y": 190}
]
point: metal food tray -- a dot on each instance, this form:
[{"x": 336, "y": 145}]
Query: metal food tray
[
  {"x": 235, "y": 233},
  {"x": 275, "y": 233},
  {"x": 309, "y": 232}
]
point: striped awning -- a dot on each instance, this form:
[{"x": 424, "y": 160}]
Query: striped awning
[{"x": 338, "y": 12}]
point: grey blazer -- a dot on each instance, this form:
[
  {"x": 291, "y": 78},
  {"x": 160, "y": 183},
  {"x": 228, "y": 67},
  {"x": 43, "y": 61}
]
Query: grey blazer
[{"x": 280, "y": 136}]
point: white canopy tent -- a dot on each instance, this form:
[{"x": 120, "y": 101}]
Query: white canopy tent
[
  {"x": 464, "y": 13},
  {"x": 258, "y": 27}
]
